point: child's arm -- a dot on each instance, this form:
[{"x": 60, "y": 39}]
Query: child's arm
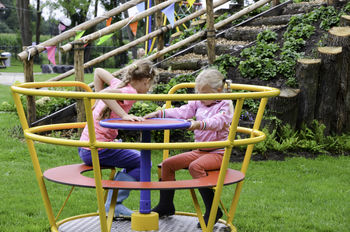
[
  {"x": 102, "y": 76},
  {"x": 115, "y": 107}
]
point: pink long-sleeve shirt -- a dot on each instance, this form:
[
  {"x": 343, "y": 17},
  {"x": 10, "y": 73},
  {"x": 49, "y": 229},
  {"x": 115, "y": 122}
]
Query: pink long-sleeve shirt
[
  {"x": 215, "y": 119},
  {"x": 104, "y": 134}
]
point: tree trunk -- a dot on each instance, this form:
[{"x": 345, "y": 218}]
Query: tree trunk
[
  {"x": 210, "y": 31},
  {"x": 159, "y": 24},
  {"x": 307, "y": 72},
  {"x": 340, "y": 36},
  {"x": 24, "y": 19},
  {"x": 285, "y": 106},
  {"x": 79, "y": 76},
  {"x": 329, "y": 88},
  {"x": 38, "y": 22},
  {"x": 345, "y": 20},
  {"x": 29, "y": 77}
]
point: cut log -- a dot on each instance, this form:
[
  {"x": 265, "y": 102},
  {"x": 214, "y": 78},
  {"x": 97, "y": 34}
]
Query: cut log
[
  {"x": 340, "y": 37},
  {"x": 345, "y": 20},
  {"x": 307, "y": 73},
  {"x": 329, "y": 88},
  {"x": 285, "y": 106}
]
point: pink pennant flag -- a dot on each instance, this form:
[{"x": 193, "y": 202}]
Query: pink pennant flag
[
  {"x": 61, "y": 27},
  {"x": 51, "y": 50},
  {"x": 169, "y": 12}
]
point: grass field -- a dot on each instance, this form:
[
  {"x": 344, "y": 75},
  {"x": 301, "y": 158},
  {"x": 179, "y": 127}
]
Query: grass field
[{"x": 297, "y": 194}]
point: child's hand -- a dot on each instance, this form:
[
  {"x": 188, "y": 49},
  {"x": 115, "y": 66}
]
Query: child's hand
[
  {"x": 151, "y": 115},
  {"x": 194, "y": 125},
  {"x": 130, "y": 117}
]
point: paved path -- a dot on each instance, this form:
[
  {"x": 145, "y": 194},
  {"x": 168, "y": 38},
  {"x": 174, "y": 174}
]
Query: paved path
[{"x": 10, "y": 78}]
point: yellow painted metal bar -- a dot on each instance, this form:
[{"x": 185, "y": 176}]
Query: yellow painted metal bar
[
  {"x": 147, "y": 26},
  {"x": 111, "y": 177},
  {"x": 258, "y": 92},
  {"x": 35, "y": 161},
  {"x": 111, "y": 209},
  {"x": 246, "y": 160},
  {"x": 224, "y": 165},
  {"x": 197, "y": 208},
  {"x": 96, "y": 165},
  {"x": 64, "y": 203}
]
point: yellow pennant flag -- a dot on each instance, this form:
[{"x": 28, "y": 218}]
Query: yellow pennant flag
[
  {"x": 190, "y": 2},
  {"x": 79, "y": 34},
  {"x": 104, "y": 38}
]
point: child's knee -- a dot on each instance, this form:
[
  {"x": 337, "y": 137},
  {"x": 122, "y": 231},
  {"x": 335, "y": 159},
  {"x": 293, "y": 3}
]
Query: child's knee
[{"x": 196, "y": 170}]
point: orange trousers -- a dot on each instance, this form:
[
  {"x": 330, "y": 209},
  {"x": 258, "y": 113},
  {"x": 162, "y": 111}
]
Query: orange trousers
[{"x": 197, "y": 162}]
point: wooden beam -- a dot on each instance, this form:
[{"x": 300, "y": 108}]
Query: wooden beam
[{"x": 72, "y": 32}]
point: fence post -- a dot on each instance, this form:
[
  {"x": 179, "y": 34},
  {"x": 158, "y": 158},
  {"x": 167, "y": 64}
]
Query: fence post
[
  {"x": 29, "y": 77},
  {"x": 160, "y": 44},
  {"x": 79, "y": 76}
]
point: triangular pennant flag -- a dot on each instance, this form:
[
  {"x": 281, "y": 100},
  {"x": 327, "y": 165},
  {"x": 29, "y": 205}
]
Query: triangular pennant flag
[
  {"x": 79, "y": 34},
  {"x": 169, "y": 12},
  {"x": 109, "y": 21},
  {"x": 133, "y": 27},
  {"x": 61, "y": 27},
  {"x": 51, "y": 50},
  {"x": 190, "y": 2},
  {"x": 141, "y": 6},
  {"x": 104, "y": 38}
]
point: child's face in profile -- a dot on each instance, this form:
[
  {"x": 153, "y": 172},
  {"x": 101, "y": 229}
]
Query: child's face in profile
[
  {"x": 208, "y": 89},
  {"x": 145, "y": 86}
]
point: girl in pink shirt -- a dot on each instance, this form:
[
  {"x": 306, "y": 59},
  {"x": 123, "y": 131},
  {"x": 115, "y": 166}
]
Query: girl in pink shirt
[
  {"x": 212, "y": 122},
  {"x": 138, "y": 79}
]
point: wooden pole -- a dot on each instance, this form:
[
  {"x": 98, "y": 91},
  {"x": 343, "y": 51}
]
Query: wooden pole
[
  {"x": 119, "y": 25},
  {"x": 159, "y": 24},
  {"x": 72, "y": 32},
  {"x": 201, "y": 33},
  {"x": 138, "y": 41},
  {"x": 210, "y": 32},
  {"x": 79, "y": 76},
  {"x": 307, "y": 73},
  {"x": 29, "y": 77}
]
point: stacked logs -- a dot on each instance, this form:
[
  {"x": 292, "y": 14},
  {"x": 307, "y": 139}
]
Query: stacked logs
[{"x": 325, "y": 83}]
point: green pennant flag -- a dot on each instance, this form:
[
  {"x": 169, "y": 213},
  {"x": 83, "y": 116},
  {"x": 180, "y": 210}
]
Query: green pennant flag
[
  {"x": 104, "y": 38},
  {"x": 79, "y": 34}
]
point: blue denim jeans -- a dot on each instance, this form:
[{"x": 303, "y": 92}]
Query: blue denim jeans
[{"x": 120, "y": 158}]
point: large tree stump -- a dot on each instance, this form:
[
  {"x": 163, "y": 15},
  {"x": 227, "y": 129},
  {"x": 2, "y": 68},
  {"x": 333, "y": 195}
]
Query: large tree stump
[
  {"x": 285, "y": 106},
  {"x": 307, "y": 72},
  {"x": 340, "y": 37},
  {"x": 345, "y": 20},
  {"x": 329, "y": 87}
]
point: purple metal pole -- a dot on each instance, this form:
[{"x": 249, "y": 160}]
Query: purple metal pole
[
  {"x": 149, "y": 26},
  {"x": 145, "y": 174}
]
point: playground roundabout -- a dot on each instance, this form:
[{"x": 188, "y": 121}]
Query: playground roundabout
[{"x": 144, "y": 220}]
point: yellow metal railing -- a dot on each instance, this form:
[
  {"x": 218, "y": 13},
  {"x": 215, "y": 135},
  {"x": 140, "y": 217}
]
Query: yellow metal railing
[{"x": 88, "y": 97}]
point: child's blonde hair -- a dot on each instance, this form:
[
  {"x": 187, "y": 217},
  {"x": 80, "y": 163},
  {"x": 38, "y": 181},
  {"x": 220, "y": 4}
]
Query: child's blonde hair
[
  {"x": 138, "y": 70},
  {"x": 212, "y": 78}
]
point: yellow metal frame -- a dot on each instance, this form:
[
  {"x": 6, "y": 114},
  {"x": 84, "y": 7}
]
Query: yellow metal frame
[{"x": 88, "y": 97}]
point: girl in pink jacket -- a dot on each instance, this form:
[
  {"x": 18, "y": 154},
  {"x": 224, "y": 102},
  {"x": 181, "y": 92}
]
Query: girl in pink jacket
[{"x": 212, "y": 121}]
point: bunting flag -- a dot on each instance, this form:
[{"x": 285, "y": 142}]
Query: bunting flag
[
  {"x": 104, "y": 39},
  {"x": 79, "y": 34},
  {"x": 109, "y": 21},
  {"x": 133, "y": 27},
  {"x": 61, "y": 27},
  {"x": 141, "y": 6},
  {"x": 169, "y": 13},
  {"x": 190, "y": 2},
  {"x": 51, "y": 51}
]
